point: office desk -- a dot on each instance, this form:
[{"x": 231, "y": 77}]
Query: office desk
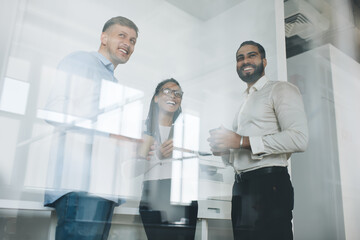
[{"x": 208, "y": 210}]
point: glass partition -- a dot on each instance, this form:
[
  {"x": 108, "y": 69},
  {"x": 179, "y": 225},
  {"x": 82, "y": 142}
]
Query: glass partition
[{"x": 308, "y": 43}]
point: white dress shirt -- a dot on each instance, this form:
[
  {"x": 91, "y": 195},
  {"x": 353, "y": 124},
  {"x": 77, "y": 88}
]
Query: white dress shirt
[{"x": 272, "y": 115}]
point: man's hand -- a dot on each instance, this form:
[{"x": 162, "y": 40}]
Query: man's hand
[{"x": 222, "y": 140}]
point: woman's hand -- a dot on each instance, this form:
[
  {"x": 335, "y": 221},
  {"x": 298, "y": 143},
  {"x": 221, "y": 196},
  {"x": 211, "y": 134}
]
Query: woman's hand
[
  {"x": 165, "y": 150},
  {"x": 151, "y": 153}
]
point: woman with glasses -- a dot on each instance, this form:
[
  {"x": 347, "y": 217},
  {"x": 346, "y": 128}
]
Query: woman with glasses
[{"x": 161, "y": 218}]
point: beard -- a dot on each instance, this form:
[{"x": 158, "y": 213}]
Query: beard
[{"x": 251, "y": 77}]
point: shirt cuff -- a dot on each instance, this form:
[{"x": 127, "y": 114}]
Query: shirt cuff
[
  {"x": 257, "y": 147},
  {"x": 231, "y": 156},
  {"x": 226, "y": 160}
]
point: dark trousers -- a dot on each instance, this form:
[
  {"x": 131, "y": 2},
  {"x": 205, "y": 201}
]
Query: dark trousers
[
  {"x": 159, "y": 215},
  {"x": 83, "y": 217},
  {"x": 262, "y": 205}
]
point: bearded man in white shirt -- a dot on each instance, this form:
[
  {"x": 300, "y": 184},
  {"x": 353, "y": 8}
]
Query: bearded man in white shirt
[{"x": 269, "y": 126}]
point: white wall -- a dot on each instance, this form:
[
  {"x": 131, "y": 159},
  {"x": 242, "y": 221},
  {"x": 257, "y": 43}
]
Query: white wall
[
  {"x": 346, "y": 76},
  {"x": 326, "y": 176}
]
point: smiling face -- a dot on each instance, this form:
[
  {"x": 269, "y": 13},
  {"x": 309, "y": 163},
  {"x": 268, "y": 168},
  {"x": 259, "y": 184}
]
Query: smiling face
[
  {"x": 250, "y": 66},
  {"x": 168, "y": 103},
  {"x": 117, "y": 43}
]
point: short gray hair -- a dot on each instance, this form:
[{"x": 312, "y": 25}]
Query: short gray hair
[{"x": 123, "y": 21}]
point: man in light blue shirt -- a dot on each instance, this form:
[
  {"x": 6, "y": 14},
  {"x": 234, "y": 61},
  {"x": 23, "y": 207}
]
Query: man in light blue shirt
[{"x": 84, "y": 209}]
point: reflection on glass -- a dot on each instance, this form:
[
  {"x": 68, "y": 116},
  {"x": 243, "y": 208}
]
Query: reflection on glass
[
  {"x": 185, "y": 173},
  {"x": 14, "y": 96},
  {"x": 8, "y": 137},
  {"x": 195, "y": 43}
]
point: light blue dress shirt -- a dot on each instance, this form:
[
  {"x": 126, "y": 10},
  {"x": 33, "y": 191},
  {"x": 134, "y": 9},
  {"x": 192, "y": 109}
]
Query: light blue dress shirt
[{"x": 74, "y": 106}]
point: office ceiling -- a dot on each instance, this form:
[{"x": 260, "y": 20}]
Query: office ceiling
[{"x": 204, "y": 9}]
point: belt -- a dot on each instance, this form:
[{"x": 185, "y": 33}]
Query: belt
[{"x": 239, "y": 177}]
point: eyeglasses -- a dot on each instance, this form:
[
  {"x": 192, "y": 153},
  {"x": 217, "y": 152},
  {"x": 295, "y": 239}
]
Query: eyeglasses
[{"x": 169, "y": 92}]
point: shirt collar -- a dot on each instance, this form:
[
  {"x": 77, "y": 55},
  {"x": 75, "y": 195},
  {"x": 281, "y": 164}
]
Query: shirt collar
[
  {"x": 105, "y": 61},
  {"x": 258, "y": 85}
]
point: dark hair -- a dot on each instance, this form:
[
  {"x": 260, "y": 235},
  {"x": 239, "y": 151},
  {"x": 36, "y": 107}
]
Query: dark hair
[
  {"x": 152, "y": 120},
  {"x": 258, "y": 45},
  {"x": 123, "y": 21}
]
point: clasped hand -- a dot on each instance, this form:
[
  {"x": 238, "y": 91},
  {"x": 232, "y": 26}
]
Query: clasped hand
[
  {"x": 162, "y": 151},
  {"x": 221, "y": 140}
]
